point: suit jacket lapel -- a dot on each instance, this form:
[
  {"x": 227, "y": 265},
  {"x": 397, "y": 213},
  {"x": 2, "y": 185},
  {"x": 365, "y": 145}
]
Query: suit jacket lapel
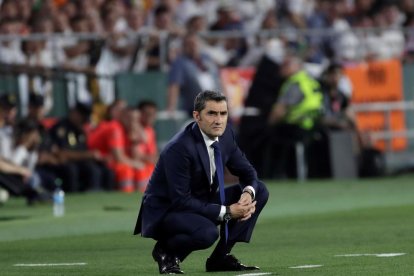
[{"x": 202, "y": 150}]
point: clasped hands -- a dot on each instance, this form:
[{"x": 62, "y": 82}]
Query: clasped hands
[{"x": 244, "y": 208}]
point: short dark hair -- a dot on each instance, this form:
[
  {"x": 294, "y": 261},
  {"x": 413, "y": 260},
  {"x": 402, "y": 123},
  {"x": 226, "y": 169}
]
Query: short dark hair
[
  {"x": 25, "y": 126},
  {"x": 36, "y": 100},
  {"x": 161, "y": 9},
  {"x": 8, "y": 100},
  {"x": 84, "y": 109},
  {"x": 334, "y": 67},
  {"x": 144, "y": 103},
  {"x": 207, "y": 95}
]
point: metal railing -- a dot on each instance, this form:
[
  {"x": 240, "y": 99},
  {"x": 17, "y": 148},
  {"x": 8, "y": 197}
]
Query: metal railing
[{"x": 387, "y": 108}]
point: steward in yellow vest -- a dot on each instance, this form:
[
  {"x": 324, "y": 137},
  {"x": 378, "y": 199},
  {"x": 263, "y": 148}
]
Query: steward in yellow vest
[
  {"x": 300, "y": 99},
  {"x": 308, "y": 110}
]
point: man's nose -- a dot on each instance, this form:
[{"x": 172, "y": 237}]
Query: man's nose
[{"x": 219, "y": 119}]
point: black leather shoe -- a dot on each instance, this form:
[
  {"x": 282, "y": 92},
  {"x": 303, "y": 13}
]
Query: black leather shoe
[
  {"x": 227, "y": 263},
  {"x": 173, "y": 266},
  {"x": 166, "y": 264}
]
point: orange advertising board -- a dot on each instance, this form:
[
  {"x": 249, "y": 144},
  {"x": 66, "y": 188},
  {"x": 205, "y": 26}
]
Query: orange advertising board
[{"x": 379, "y": 81}]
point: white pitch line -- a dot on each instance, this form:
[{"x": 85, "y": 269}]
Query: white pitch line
[
  {"x": 389, "y": 254},
  {"x": 51, "y": 264},
  {"x": 255, "y": 274},
  {"x": 381, "y": 255},
  {"x": 306, "y": 266}
]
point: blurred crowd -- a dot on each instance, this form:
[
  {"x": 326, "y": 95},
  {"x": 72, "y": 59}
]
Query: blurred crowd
[
  {"x": 38, "y": 154},
  {"x": 118, "y": 23},
  {"x": 104, "y": 37}
]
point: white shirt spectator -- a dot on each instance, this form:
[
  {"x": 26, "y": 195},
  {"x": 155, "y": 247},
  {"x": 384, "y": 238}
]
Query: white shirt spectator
[
  {"x": 394, "y": 42},
  {"x": 11, "y": 54},
  {"x": 303, "y": 8},
  {"x": 6, "y": 142},
  {"x": 25, "y": 158},
  {"x": 188, "y": 8}
]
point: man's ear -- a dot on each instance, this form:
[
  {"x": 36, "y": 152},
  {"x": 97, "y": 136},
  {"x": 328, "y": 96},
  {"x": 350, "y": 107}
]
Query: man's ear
[{"x": 196, "y": 116}]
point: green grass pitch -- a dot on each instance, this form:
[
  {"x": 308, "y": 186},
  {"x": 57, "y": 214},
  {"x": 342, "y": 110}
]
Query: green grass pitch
[{"x": 303, "y": 224}]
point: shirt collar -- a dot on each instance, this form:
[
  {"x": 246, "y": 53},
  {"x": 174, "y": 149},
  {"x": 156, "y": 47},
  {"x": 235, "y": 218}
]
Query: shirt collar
[{"x": 207, "y": 140}]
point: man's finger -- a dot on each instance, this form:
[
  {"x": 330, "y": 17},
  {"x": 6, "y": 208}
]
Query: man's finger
[{"x": 245, "y": 218}]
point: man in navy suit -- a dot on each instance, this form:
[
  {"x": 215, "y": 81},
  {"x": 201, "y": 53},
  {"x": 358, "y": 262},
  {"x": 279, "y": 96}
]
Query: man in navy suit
[{"x": 182, "y": 207}]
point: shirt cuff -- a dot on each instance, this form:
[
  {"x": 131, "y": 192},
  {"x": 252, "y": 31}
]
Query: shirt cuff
[
  {"x": 222, "y": 213},
  {"x": 251, "y": 189}
]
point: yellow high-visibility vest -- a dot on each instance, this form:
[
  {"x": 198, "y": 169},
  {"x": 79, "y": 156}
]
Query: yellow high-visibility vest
[{"x": 305, "y": 113}]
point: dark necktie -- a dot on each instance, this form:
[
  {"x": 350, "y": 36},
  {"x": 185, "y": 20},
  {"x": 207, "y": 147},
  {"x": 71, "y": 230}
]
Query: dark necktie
[{"x": 220, "y": 177}]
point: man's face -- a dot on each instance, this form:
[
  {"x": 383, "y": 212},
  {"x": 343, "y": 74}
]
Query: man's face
[
  {"x": 129, "y": 118},
  {"x": 212, "y": 120},
  {"x": 36, "y": 112},
  {"x": 9, "y": 115},
  {"x": 148, "y": 115}
]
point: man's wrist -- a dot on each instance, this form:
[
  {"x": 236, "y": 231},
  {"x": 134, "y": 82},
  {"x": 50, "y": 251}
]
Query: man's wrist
[{"x": 249, "y": 192}]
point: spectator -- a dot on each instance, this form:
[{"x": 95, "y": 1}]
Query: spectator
[
  {"x": 162, "y": 23},
  {"x": 9, "y": 10},
  {"x": 318, "y": 46},
  {"x": 15, "y": 178},
  {"x": 36, "y": 110},
  {"x": 259, "y": 45},
  {"x": 227, "y": 18},
  {"x": 88, "y": 166},
  {"x": 123, "y": 50},
  {"x": 114, "y": 111},
  {"x": 78, "y": 59},
  {"x": 49, "y": 166},
  {"x": 406, "y": 7},
  {"x": 263, "y": 93},
  {"x": 235, "y": 47},
  {"x": 114, "y": 140},
  {"x": 148, "y": 148},
  {"x": 26, "y": 154},
  {"x": 337, "y": 111},
  {"x": 134, "y": 59},
  {"x": 8, "y": 112},
  {"x": 295, "y": 114},
  {"x": 40, "y": 57},
  {"x": 296, "y": 12},
  {"x": 69, "y": 9},
  {"x": 196, "y": 25},
  {"x": 24, "y": 9},
  {"x": 26, "y": 141},
  {"x": 91, "y": 10},
  {"x": 392, "y": 35},
  {"x": 409, "y": 48},
  {"x": 191, "y": 8},
  {"x": 191, "y": 72},
  {"x": 10, "y": 52}
]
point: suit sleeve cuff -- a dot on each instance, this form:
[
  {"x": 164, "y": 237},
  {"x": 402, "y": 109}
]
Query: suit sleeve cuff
[
  {"x": 222, "y": 212},
  {"x": 251, "y": 189}
]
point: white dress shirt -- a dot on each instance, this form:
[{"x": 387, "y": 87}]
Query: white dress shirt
[{"x": 208, "y": 141}]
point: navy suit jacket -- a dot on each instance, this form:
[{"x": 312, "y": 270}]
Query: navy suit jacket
[{"x": 181, "y": 179}]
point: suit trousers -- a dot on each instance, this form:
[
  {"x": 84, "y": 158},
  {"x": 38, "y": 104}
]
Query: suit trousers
[{"x": 185, "y": 232}]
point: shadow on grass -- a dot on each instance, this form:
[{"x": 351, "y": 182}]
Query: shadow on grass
[
  {"x": 114, "y": 208},
  {"x": 9, "y": 218}
]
